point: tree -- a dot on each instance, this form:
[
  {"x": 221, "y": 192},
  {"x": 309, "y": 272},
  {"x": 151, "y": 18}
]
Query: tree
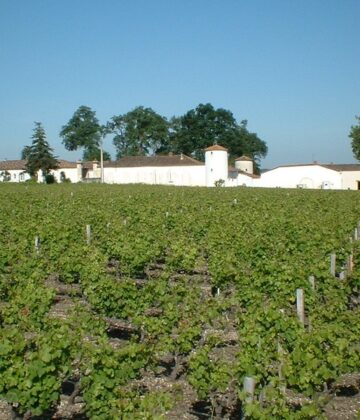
[
  {"x": 139, "y": 132},
  {"x": 247, "y": 143},
  {"x": 204, "y": 126},
  {"x": 94, "y": 154},
  {"x": 200, "y": 128},
  {"x": 39, "y": 155},
  {"x": 6, "y": 176},
  {"x": 83, "y": 131},
  {"x": 355, "y": 139},
  {"x": 25, "y": 152}
]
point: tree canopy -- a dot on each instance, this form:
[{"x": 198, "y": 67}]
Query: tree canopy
[
  {"x": 93, "y": 153},
  {"x": 142, "y": 131},
  {"x": 84, "y": 131},
  {"x": 203, "y": 126},
  {"x": 139, "y": 132},
  {"x": 355, "y": 139},
  {"x": 39, "y": 155}
]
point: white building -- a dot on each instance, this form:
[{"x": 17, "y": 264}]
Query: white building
[
  {"x": 186, "y": 171},
  {"x": 315, "y": 175},
  {"x": 13, "y": 171}
]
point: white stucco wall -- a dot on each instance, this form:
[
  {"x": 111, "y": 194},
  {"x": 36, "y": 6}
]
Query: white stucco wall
[
  {"x": 245, "y": 165},
  {"x": 216, "y": 164},
  {"x": 312, "y": 176},
  {"x": 70, "y": 173},
  {"x": 16, "y": 175},
  {"x": 350, "y": 179},
  {"x": 240, "y": 181},
  {"x": 172, "y": 175}
]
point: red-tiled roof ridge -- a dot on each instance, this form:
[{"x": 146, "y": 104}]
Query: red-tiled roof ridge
[
  {"x": 244, "y": 157},
  {"x": 63, "y": 164},
  {"x": 340, "y": 167},
  {"x": 216, "y": 147},
  {"x": 157, "y": 160},
  {"x": 8, "y": 165}
]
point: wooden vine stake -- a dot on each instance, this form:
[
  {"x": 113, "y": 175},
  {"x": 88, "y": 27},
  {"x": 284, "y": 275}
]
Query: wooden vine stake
[
  {"x": 312, "y": 282},
  {"x": 350, "y": 263},
  {"x": 356, "y": 234},
  {"x": 37, "y": 244},
  {"x": 333, "y": 264},
  {"x": 88, "y": 234},
  {"x": 249, "y": 389},
  {"x": 281, "y": 362},
  {"x": 300, "y": 305}
]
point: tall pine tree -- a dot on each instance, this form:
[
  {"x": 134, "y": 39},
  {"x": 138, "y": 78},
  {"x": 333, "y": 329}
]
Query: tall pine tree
[{"x": 40, "y": 155}]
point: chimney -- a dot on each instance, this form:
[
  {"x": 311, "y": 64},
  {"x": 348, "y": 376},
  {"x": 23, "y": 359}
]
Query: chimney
[{"x": 181, "y": 156}]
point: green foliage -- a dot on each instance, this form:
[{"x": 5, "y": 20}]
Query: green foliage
[
  {"x": 82, "y": 130},
  {"x": 208, "y": 376},
  {"x": 154, "y": 257},
  {"x": 203, "y": 126},
  {"x": 355, "y": 139},
  {"x": 50, "y": 179},
  {"x": 39, "y": 155},
  {"x": 107, "y": 372},
  {"x": 5, "y": 175},
  {"x": 31, "y": 371},
  {"x": 94, "y": 153},
  {"x": 139, "y": 132}
]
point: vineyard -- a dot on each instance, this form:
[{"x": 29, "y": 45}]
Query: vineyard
[{"x": 150, "y": 302}]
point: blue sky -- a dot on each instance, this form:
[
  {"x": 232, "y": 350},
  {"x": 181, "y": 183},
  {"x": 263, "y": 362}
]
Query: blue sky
[{"x": 291, "y": 68}]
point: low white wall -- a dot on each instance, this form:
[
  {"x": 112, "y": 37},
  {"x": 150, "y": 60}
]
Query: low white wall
[
  {"x": 240, "y": 181},
  {"x": 350, "y": 180},
  {"x": 174, "y": 175},
  {"x": 312, "y": 176},
  {"x": 70, "y": 173},
  {"x": 16, "y": 175}
]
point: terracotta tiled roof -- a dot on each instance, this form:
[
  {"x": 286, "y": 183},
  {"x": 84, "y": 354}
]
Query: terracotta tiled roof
[
  {"x": 243, "y": 157},
  {"x": 8, "y": 165},
  {"x": 215, "y": 147},
  {"x": 343, "y": 167},
  {"x": 65, "y": 164},
  {"x": 141, "y": 161}
]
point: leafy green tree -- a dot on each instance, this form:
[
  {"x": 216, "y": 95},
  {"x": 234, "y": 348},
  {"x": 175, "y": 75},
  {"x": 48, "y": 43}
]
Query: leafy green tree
[
  {"x": 203, "y": 126},
  {"x": 25, "y": 152},
  {"x": 83, "y": 131},
  {"x": 93, "y": 153},
  {"x": 355, "y": 139},
  {"x": 40, "y": 155},
  {"x": 139, "y": 132},
  {"x": 247, "y": 143}
]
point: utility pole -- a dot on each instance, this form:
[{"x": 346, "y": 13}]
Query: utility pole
[{"x": 101, "y": 160}]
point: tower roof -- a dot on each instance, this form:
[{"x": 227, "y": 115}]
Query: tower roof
[
  {"x": 216, "y": 147},
  {"x": 243, "y": 157}
]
